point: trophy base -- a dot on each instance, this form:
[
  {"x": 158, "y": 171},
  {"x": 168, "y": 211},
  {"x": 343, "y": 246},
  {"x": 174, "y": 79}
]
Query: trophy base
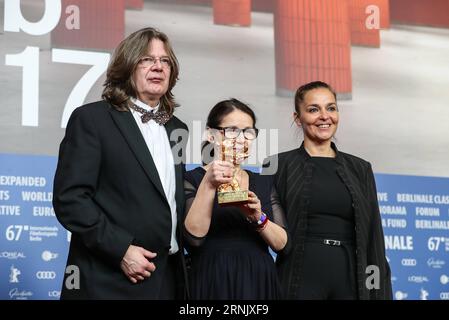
[{"x": 232, "y": 197}]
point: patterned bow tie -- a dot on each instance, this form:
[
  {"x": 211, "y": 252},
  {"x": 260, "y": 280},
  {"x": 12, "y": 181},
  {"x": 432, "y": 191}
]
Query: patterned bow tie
[{"x": 160, "y": 116}]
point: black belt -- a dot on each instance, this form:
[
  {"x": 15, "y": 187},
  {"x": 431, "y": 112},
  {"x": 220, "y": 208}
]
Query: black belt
[{"x": 329, "y": 242}]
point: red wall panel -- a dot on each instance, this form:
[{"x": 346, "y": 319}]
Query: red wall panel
[
  {"x": 384, "y": 6},
  {"x": 360, "y": 33},
  {"x": 263, "y": 5},
  {"x": 312, "y": 42},
  {"x": 433, "y": 13},
  {"x": 232, "y": 12},
  {"x": 102, "y": 25},
  {"x": 134, "y": 4},
  {"x": 196, "y": 2}
]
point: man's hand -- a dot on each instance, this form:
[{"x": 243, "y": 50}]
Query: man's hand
[{"x": 135, "y": 264}]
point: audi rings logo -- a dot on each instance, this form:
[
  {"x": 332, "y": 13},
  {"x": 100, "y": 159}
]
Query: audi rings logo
[
  {"x": 444, "y": 295},
  {"x": 408, "y": 262},
  {"x": 45, "y": 275}
]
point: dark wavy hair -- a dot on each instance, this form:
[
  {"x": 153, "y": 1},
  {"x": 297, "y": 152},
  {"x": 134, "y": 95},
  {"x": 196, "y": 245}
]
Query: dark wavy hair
[
  {"x": 214, "y": 119},
  {"x": 119, "y": 86},
  {"x": 302, "y": 90}
]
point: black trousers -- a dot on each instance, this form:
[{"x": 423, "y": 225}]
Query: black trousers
[
  {"x": 329, "y": 271},
  {"x": 170, "y": 283}
]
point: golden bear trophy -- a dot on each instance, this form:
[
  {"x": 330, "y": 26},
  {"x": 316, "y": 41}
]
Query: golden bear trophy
[{"x": 230, "y": 193}]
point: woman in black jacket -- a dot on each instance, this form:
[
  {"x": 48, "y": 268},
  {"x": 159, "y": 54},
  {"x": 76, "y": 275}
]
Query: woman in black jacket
[{"x": 330, "y": 201}]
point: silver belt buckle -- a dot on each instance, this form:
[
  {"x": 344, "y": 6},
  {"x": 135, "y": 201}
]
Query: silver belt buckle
[{"x": 331, "y": 242}]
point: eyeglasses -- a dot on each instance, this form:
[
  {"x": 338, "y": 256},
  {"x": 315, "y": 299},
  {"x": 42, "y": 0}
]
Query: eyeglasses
[
  {"x": 233, "y": 133},
  {"x": 150, "y": 61}
]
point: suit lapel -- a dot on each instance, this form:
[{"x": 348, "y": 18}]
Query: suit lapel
[{"x": 129, "y": 129}]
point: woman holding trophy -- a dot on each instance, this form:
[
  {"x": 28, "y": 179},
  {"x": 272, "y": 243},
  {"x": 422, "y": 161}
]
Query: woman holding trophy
[{"x": 232, "y": 215}]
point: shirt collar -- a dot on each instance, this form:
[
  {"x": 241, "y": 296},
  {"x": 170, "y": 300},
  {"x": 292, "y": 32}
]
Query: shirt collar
[{"x": 143, "y": 105}]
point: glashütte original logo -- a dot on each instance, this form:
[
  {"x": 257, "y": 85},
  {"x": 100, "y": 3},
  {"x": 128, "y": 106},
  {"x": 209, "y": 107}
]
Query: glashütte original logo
[
  {"x": 16, "y": 294},
  {"x": 435, "y": 263}
]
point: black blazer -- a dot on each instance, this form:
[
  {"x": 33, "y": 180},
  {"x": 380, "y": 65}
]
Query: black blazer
[
  {"x": 293, "y": 180},
  {"x": 107, "y": 192}
]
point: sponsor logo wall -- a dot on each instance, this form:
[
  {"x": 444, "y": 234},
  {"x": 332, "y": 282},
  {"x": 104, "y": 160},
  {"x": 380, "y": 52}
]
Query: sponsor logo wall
[
  {"x": 415, "y": 219},
  {"x": 34, "y": 246}
]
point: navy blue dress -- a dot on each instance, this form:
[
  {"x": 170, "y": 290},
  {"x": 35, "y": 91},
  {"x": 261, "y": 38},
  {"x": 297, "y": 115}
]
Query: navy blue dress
[{"x": 232, "y": 261}]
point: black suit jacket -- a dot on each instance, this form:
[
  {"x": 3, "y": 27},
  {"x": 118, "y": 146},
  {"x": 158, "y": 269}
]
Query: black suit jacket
[
  {"x": 293, "y": 179},
  {"x": 107, "y": 192}
]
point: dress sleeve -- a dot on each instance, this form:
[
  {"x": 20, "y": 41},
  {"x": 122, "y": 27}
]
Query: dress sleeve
[
  {"x": 279, "y": 218},
  {"x": 190, "y": 193}
]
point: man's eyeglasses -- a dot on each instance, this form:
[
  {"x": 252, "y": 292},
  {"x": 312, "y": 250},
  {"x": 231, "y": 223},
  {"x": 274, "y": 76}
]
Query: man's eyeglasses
[
  {"x": 150, "y": 61},
  {"x": 233, "y": 133}
]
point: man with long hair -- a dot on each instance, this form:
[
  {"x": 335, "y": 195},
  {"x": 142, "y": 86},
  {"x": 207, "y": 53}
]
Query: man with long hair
[{"x": 118, "y": 187}]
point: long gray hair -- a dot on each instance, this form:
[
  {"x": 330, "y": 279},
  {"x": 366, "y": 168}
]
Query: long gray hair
[{"x": 119, "y": 86}]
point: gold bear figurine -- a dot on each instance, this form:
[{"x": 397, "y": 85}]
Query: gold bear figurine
[{"x": 228, "y": 187}]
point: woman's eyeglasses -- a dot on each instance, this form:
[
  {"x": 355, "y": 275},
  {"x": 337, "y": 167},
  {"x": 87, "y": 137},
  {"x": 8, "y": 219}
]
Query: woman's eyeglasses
[{"x": 233, "y": 133}]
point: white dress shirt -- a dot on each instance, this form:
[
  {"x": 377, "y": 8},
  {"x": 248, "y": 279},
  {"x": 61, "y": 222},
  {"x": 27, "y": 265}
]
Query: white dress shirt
[{"x": 157, "y": 142}]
